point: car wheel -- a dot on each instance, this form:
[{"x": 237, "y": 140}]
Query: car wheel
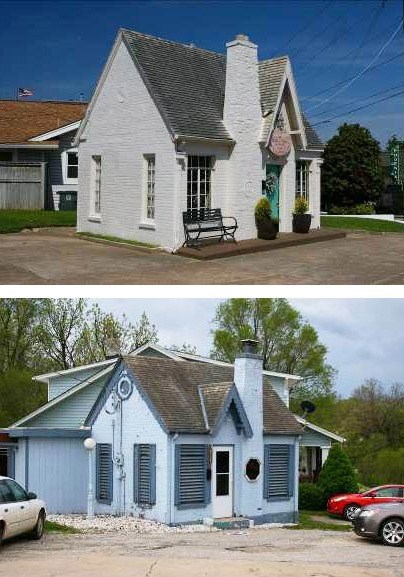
[
  {"x": 39, "y": 527},
  {"x": 350, "y": 511},
  {"x": 1, "y": 533},
  {"x": 392, "y": 532}
]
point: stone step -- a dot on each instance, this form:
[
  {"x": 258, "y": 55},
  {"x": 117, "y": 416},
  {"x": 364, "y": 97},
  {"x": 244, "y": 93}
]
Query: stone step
[{"x": 232, "y": 523}]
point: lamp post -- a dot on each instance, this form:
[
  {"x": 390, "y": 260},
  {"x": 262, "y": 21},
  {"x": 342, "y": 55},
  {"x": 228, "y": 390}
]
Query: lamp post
[{"x": 90, "y": 445}]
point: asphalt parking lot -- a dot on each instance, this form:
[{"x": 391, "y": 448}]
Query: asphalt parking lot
[
  {"x": 56, "y": 256},
  {"x": 256, "y": 552}
]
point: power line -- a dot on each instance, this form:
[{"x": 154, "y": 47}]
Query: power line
[
  {"x": 308, "y": 23},
  {"x": 348, "y": 84},
  {"x": 360, "y": 107},
  {"x": 362, "y": 99},
  {"x": 346, "y": 79}
]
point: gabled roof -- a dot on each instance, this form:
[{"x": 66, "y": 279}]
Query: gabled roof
[
  {"x": 314, "y": 142},
  {"x": 21, "y": 121},
  {"x": 271, "y": 75},
  {"x": 187, "y": 82}
]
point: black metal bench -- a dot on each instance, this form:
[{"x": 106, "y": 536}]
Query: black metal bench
[{"x": 205, "y": 223}]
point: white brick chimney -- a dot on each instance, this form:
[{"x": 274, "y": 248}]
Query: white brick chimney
[
  {"x": 242, "y": 117},
  {"x": 248, "y": 380}
]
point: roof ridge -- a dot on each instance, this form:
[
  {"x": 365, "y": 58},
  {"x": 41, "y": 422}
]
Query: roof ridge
[
  {"x": 122, "y": 29},
  {"x": 266, "y": 60}
]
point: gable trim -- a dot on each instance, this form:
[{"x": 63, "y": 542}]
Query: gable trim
[
  {"x": 42, "y": 432},
  {"x": 122, "y": 369},
  {"x": 44, "y": 378},
  {"x": 56, "y": 132},
  {"x": 62, "y": 397},
  {"x": 288, "y": 78},
  {"x": 234, "y": 397},
  {"x": 320, "y": 430}
]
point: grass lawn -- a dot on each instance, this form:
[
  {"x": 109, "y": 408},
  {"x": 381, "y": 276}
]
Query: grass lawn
[
  {"x": 52, "y": 527},
  {"x": 16, "y": 220},
  {"x": 306, "y": 521},
  {"x": 367, "y": 224}
]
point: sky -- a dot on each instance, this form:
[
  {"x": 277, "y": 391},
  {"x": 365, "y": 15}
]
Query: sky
[
  {"x": 364, "y": 337},
  {"x": 58, "y": 48}
]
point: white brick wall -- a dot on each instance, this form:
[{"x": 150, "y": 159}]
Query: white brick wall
[
  {"x": 242, "y": 117},
  {"x": 124, "y": 125}
]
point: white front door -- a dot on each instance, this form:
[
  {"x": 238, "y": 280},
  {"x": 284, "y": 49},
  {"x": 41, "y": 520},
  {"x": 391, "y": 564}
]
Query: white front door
[{"x": 222, "y": 482}]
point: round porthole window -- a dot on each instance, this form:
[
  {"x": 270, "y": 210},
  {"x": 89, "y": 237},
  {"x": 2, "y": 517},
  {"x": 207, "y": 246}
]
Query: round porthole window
[
  {"x": 124, "y": 388},
  {"x": 252, "y": 469}
]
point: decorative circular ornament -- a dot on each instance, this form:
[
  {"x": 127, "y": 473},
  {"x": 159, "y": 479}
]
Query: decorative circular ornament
[
  {"x": 124, "y": 388},
  {"x": 279, "y": 143}
]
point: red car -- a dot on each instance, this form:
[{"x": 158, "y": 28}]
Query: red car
[{"x": 347, "y": 505}]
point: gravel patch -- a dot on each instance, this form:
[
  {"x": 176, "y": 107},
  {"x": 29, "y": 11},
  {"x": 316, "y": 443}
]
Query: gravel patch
[{"x": 110, "y": 524}]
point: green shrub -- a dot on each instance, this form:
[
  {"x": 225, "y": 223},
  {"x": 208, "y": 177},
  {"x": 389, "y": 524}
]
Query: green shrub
[
  {"x": 301, "y": 205},
  {"x": 365, "y": 208},
  {"x": 262, "y": 210},
  {"x": 337, "y": 474},
  {"x": 311, "y": 497}
]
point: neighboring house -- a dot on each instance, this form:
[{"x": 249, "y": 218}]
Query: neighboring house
[
  {"x": 179, "y": 438},
  {"x": 172, "y": 127},
  {"x": 43, "y": 132}
]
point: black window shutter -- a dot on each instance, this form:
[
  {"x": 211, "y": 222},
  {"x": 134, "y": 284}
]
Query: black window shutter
[
  {"x": 104, "y": 473},
  {"x": 144, "y": 474},
  {"x": 191, "y": 484}
]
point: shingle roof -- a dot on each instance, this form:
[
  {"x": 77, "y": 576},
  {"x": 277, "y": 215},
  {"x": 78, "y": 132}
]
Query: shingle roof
[
  {"x": 22, "y": 120},
  {"x": 271, "y": 73},
  {"x": 173, "y": 389},
  {"x": 187, "y": 82},
  {"x": 314, "y": 142}
]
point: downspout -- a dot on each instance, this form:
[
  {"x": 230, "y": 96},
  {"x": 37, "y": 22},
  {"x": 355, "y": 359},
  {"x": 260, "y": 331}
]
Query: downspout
[
  {"x": 172, "y": 477},
  {"x": 26, "y": 463},
  {"x": 296, "y": 492}
]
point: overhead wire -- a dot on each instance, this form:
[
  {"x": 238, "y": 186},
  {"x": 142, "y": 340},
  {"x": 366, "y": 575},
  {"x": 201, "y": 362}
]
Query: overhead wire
[
  {"x": 358, "y": 108},
  {"x": 363, "y": 71}
]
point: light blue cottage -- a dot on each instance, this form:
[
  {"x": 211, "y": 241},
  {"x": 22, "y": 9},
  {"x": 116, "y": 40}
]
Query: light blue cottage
[{"x": 179, "y": 438}]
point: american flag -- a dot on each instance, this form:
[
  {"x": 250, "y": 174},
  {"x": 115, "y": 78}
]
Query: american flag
[{"x": 24, "y": 92}]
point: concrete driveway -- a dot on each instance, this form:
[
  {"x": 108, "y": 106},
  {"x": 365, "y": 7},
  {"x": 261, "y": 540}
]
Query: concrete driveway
[
  {"x": 56, "y": 256},
  {"x": 256, "y": 552}
]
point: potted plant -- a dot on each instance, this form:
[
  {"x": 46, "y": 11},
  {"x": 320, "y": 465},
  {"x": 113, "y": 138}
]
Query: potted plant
[
  {"x": 265, "y": 227},
  {"x": 301, "y": 218}
]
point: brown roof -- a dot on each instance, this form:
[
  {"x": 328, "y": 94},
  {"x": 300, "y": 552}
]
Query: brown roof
[
  {"x": 22, "y": 120},
  {"x": 173, "y": 389}
]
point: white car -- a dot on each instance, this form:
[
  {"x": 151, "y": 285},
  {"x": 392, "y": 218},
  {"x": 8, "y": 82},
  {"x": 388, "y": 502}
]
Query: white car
[{"x": 20, "y": 512}]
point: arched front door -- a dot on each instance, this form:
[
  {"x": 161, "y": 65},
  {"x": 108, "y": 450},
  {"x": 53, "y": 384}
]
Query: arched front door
[{"x": 273, "y": 173}]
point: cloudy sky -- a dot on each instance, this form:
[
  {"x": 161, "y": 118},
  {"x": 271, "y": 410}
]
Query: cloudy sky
[{"x": 364, "y": 337}]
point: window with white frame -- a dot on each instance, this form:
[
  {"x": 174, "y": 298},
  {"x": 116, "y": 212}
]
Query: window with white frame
[
  {"x": 199, "y": 182},
  {"x": 302, "y": 178},
  {"x": 72, "y": 165},
  {"x": 97, "y": 184},
  {"x": 150, "y": 186}
]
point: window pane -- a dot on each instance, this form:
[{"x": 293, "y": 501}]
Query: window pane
[
  {"x": 222, "y": 485},
  {"x": 18, "y": 492},
  {"x": 72, "y": 172},
  {"x": 6, "y": 495},
  {"x": 72, "y": 158},
  {"x": 222, "y": 462}
]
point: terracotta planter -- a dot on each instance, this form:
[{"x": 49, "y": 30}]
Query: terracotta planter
[
  {"x": 266, "y": 230},
  {"x": 301, "y": 223}
]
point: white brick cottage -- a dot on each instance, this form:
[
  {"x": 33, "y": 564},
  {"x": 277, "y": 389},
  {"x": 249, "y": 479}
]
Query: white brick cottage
[{"x": 172, "y": 127}]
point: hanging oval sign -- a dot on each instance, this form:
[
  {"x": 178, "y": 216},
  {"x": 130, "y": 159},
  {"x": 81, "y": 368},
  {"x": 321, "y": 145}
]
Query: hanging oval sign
[
  {"x": 279, "y": 143},
  {"x": 124, "y": 388}
]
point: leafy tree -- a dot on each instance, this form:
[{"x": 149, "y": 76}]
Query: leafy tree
[
  {"x": 19, "y": 395},
  {"x": 352, "y": 172},
  {"x": 73, "y": 333},
  {"x": 18, "y": 332},
  {"x": 287, "y": 342},
  {"x": 184, "y": 348},
  {"x": 337, "y": 474}
]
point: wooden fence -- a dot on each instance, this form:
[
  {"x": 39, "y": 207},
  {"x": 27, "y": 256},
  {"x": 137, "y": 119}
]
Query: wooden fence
[{"x": 22, "y": 185}]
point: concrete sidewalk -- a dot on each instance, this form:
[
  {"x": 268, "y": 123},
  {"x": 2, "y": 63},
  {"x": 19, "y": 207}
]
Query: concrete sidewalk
[{"x": 56, "y": 256}]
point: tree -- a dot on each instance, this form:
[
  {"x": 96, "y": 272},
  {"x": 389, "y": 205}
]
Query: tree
[
  {"x": 352, "y": 172},
  {"x": 18, "y": 332},
  {"x": 19, "y": 395},
  {"x": 184, "y": 348},
  {"x": 337, "y": 474},
  {"x": 72, "y": 332},
  {"x": 287, "y": 342}
]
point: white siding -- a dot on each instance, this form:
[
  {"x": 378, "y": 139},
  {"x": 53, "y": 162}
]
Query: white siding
[{"x": 124, "y": 126}]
